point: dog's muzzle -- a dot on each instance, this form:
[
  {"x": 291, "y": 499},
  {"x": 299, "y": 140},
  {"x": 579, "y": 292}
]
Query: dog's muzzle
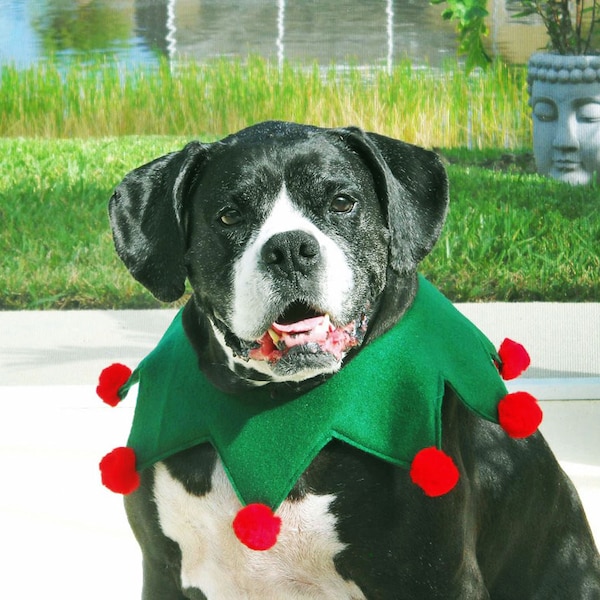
[
  {"x": 294, "y": 308},
  {"x": 294, "y": 260}
]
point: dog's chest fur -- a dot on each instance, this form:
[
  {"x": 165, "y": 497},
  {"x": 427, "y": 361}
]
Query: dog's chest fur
[{"x": 299, "y": 566}]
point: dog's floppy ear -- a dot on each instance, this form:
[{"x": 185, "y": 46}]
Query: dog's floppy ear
[
  {"x": 146, "y": 215},
  {"x": 412, "y": 183}
]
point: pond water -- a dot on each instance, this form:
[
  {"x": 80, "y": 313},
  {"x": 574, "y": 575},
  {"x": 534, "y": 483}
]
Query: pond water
[{"x": 327, "y": 31}]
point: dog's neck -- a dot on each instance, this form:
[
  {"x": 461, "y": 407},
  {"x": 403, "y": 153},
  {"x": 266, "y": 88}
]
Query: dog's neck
[{"x": 396, "y": 299}]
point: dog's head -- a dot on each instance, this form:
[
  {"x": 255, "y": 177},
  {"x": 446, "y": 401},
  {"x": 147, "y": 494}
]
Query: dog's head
[{"x": 298, "y": 241}]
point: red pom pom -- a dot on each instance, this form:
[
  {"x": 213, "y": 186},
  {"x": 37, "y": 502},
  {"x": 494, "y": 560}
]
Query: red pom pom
[
  {"x": 110, "y": 382},
  {"x": 514, "y": 359},
  {"x": 434, "y": 472},
  {"x": 257, "y": 527},
  {"x": 118, "y": 471},
  {"x": 519, "y": 414}
]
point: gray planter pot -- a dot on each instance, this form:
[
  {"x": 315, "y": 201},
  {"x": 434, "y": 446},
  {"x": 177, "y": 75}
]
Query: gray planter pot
[{"x": 564, "y": 94}]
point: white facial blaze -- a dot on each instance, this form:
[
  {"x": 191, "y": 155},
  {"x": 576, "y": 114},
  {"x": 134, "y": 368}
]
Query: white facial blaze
[{"x": 253, "y": 288}]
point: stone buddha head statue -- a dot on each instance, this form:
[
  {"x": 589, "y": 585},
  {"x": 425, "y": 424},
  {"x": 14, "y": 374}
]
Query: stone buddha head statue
[{"x": 564, "y": 94}]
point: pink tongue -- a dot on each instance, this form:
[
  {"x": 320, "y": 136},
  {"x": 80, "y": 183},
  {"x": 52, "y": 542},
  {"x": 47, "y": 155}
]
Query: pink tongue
[{"x": 299, "y": 327}]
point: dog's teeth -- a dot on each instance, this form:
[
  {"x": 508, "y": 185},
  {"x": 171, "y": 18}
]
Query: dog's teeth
[
  {"x": 273, "y": 335},
  {"x": 323, "y": 327}
]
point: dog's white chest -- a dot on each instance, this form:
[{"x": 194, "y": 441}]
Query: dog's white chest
[{"x": 299, "y": 566}]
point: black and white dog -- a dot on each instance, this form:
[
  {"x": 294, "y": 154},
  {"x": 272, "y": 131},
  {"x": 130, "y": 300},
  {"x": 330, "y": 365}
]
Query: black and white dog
[{"x": 289, "y": 224}]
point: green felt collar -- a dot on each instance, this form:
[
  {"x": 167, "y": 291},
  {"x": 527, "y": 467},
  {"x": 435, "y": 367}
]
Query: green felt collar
[{"x": 386, "y": 401}]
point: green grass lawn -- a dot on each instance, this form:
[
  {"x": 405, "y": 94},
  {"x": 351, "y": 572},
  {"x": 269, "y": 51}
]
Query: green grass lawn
[{"x": 509, "y": 236}]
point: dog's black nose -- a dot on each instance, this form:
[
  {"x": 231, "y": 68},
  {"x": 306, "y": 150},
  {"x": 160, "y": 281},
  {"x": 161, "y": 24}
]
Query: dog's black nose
[{"x": 292, "y": 252}]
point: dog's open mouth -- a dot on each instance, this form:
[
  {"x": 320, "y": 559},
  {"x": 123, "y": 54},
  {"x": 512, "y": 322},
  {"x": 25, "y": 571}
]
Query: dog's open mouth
[{"x": 301, "y": 328}]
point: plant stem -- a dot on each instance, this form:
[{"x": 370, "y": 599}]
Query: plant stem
[
  {"x": 579, "y": 6},
  {"x": 588, "y": 40}
]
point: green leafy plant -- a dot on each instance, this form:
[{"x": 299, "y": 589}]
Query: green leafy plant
[
  {"x": 571, "y": 25},
  {"x": 471, "y": 28}
]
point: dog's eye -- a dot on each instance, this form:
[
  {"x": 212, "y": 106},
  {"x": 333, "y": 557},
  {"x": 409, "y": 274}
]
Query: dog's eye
[
  {"x": 230, "y": 217},
  {"x": 342, "y": 204}
]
